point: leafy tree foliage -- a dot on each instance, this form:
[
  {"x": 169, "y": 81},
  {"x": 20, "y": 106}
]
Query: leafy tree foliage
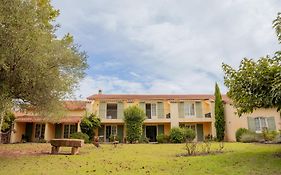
[
  {"x": 133, "y": 118},
  {"x": 219, "y": 114},
  {"x": 256, "y": 84},
  {"x": 36, "y": 67},
  {"x": 9, "y": 118},
  {"x": 88, "y": 124}
]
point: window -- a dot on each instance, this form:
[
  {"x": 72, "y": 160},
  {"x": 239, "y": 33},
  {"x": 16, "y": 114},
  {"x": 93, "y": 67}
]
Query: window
[
  {"x": 111, "y": 111},
  {"x": 189, "y": 109},
  {"x": 261, "y": 124},
  {"x": 150, "y": 110},
  {"x": 39, "y": 131},
  {"x": 114, "y": 130},
  {"x": 69, "y": 129}
]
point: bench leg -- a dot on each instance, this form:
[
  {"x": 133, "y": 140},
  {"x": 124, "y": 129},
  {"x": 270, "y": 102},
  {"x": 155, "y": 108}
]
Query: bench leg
[
  {"x": 74, "y": 150},
  {"x": 55, "y": 149}
]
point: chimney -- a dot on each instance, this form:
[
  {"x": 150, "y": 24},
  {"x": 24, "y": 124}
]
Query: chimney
[{"x": 100, "y": 91}]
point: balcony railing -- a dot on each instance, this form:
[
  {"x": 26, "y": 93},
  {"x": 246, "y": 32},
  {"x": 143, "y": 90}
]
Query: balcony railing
[{"x": 111, "y": 114}]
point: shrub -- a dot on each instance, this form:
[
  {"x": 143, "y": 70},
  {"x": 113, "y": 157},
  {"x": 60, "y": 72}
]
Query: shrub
[
  {"x": 189, "y": 134},
  {"x": 240, "y": 132},
  {"x": 277, "y": 139},
  {"x": 269, "y": 135},
  {"x": 249, "y": 137},
  {"x": 88, "y": 124},
  {"x": 177, "y": 135},
  {"x": 111, "y": 138},
  {"x": 134, "y": 117},
  {"x": 161, "y": 138},
  {"x": 143, "y": 139},
  {"x": 80, "y": 135}
]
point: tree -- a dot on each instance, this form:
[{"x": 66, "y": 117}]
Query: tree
[
  {"x": 256, "y": 84},
  {"x": 219, "y": 114},
  {"x": 133, "y": 118},
  {"x": 37, "y": 69},
  {"x": 89, "y": 124},
  {"x": 9, "y": 118}
]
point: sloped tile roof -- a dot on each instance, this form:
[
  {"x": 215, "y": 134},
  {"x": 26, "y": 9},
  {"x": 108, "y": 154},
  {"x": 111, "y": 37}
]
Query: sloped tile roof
[
  {"x": 154, "y": 97},
  {"x": 31, "y": 118}
]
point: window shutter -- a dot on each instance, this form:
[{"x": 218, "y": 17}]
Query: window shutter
[
  {"x": 251, "y": 124},
  {"x": 271, "y": 124},
  {"x": 120, "y": 130},
  {"x": 160, "y": 109},
  {"x": 181, "y": 109},
  {"x": 160, "y": 129},
  {"x": 120, "y": 110},
  {"x": 142, "y": 106},
  {"x": 101, "y": 131},
  {"x": 198, "y": 107},
  {"x": 102, "y": 110}
]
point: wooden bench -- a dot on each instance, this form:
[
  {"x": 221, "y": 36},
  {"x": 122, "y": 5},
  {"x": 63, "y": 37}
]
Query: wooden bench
[{"x": 74, "y": 143}]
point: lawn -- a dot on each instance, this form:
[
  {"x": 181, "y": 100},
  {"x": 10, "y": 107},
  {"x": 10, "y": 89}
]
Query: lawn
[{"x": 238, "y": 158}]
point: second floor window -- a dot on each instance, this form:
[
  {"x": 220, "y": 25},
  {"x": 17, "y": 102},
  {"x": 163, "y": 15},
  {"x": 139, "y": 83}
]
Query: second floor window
[
  {"x": 189, "y": 109},
  {"x": 111, "y": 111},
  {"x": 150, "y": 110}
]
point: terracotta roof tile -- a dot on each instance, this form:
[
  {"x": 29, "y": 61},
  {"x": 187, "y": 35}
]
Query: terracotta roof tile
[
  {"x": 149, "y": 97},
  {"x": 30, "y": 118},
  {"x": 154, "y": 97}
]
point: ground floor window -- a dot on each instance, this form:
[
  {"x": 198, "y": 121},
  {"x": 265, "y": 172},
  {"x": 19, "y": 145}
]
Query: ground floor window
[
  {"x": 69, "y": 129},
  {"x": 111, "y": 130},
  {"x": 261, "y": 124},
  {"x": 39, "y": 131}
]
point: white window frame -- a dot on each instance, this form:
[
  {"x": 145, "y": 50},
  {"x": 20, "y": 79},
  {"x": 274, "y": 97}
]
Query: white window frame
[
  {"x": 113, "y": 127},
  {"x": 40, "y": 130},
  {"x": 69, "y": 129},
  {"x": 151, "y": 113},
  {"x": 109, "y": 116},
  {"x": 185, "y": 106},
  {"x": 260, "y": 124}
]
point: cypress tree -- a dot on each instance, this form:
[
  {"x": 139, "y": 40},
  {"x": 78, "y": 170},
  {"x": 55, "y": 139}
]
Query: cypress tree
[{"x": 219, "y": 114}]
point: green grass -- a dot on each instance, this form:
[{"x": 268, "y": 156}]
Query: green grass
[{"x": 238, "y": 158}]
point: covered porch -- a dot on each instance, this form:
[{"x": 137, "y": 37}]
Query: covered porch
[{"x": 38, "y": 129}]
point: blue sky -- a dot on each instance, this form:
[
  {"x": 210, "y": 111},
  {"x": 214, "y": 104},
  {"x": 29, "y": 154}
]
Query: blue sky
[{"x": 165, "y": 46}]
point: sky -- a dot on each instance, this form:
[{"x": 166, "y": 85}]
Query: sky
[{"x": 165, "y": 46}]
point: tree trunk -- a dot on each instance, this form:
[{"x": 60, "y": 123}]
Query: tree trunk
[{"x": 1, "y": 123}]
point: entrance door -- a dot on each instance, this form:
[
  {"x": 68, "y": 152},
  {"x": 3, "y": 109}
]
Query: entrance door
[
  {"x": 151, "y": 132},
  {"x": 28, "y": 131},
  {"x": 200, "y": 133},
  {"x": 108, "y": 133},
  {"x": 58, "y": 131}
]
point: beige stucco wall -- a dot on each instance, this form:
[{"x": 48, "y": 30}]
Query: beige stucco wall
[
  {"x": 234, "y": 122},
  {"x": 76, "y": 113},
  {"x": 167, "y": 128},
  {"x": 19, "y": 131}
]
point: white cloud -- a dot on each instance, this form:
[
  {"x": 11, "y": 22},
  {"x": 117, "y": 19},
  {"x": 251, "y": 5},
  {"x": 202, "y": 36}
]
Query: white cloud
[{"x": 167, "y": 46}]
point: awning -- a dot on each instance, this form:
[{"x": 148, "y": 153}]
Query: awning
[{"x": 33, "y": 119}]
